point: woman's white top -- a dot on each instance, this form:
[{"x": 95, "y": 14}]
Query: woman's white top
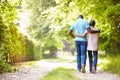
[{"x": 92, "y": 39}]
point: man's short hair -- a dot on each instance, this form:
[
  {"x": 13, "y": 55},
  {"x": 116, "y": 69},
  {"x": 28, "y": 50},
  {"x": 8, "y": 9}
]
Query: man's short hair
[{"x": 80, "y": 16}]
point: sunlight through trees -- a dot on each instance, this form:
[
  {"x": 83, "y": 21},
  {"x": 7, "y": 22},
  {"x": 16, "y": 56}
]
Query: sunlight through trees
[{"x": 28, "y": 28}]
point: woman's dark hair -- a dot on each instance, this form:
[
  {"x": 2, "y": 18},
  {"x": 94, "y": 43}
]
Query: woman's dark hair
[{"x": 92, "y": 23}]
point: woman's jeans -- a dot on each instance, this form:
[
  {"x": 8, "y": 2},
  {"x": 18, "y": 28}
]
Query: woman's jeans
[
  {"x": 81, "y": 47},
  {"x": 93, "y": 57}
]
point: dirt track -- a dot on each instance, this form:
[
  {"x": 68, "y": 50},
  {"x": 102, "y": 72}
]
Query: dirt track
[{"x": 41, "y": 68}]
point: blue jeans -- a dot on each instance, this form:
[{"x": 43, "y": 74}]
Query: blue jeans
[
  {"x": 81, "y": 47},
  {"x": 93, "y": 57}
]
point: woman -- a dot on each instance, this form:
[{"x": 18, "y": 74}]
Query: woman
[{"x": 92, "y": 46}]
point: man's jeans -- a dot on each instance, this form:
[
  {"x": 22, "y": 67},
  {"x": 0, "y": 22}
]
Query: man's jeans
[
  {"x": 81, "y": 47},
  {"x": 93, "y": 57}
]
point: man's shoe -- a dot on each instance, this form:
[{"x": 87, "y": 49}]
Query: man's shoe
[
  {"x": 93, "y": 70},
  {"x": 79, "y": 70},
  {"x": 83, "y": 68}
]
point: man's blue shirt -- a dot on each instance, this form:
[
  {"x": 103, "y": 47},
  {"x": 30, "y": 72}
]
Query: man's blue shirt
[{"x": 79, "y": 27}]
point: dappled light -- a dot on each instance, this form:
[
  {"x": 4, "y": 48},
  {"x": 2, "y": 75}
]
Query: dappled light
[
  {"x": 103, "y": 61},
  {"x": 36, "y": 30},
  {"x": 23, "y": 21}
]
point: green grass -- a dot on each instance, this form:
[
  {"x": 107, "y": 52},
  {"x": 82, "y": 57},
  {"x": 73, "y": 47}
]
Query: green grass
[
  {"x": 60, "y": 74},
  {"x": 29, "y": 63},
  {"x": 110, "y": 63},
  {"x": 24, "y": 64}
]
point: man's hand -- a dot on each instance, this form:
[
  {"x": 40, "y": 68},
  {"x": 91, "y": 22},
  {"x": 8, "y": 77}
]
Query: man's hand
[
  {"x": 70, "y": 32},
  {"x": 93, "y": 30}
]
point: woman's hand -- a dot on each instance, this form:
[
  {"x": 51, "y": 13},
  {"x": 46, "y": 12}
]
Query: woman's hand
[{"x": 76, "y": 35}]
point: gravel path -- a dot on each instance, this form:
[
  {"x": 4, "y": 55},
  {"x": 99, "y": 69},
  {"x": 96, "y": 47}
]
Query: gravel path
[
  {"x": 26, "y": 73},
  {"x": 100, "y": 75},
  {"x": 41, "y": 68}
]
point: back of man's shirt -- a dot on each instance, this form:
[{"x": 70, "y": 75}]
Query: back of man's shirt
[{"x": 79, "y": 27}]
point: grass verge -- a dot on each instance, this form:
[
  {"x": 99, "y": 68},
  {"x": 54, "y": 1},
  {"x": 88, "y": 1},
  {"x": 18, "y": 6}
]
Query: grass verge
[
  {"x": 110, "y": 63},
  {"x": 60, "y": 74}
]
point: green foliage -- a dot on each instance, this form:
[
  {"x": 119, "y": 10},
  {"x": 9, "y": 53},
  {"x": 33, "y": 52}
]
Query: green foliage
[
  {"x": 9, "y": 36},
  {"x": 112, "y": 64},
  {"x": 40, "y": 29},
  {"x": 8, "y": 31},
  {"x": 114, "y": 19},
  {"x": 29, "y": 49},
  {"x": 38, "y": 53},
  {"x": 50, "y": 21},
  {"x": 105, "y": 12},
  {"x": 98, "y": 10},
  {"x": 5, "y": 67},
  {"x": 12, "y": 45},
  {"x": 60, "y": 74}
]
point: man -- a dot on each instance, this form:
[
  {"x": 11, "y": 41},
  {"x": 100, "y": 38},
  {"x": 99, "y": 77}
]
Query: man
[{"x": 79, "y": 27}]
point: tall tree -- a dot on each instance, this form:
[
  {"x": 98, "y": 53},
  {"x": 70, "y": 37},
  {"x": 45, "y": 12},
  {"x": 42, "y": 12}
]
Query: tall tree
[
  {"x": 40, "y": 29},
  {"x": 52, "y": 19},
  {"x": 10, "y": 45}
]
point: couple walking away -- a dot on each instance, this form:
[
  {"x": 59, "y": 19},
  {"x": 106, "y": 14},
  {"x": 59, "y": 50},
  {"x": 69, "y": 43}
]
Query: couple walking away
[{"x": 86, "y": 39}]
